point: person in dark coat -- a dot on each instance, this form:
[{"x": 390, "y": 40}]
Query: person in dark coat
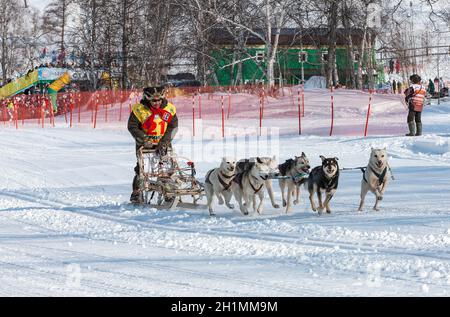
[
  {"x": 153, "y": 124},
  {"x": 394, "y": 86},
  {"x": 431, "y": 89},
  {"x": 391, "y": 66}
]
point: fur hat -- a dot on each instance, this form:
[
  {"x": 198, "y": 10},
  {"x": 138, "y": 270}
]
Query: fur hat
[
  {"x": 415, "y": 79},
  {"x": 153, "y": 93}
]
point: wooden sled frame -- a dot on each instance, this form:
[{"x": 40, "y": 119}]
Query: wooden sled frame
[{"x": 164, "y": 176}]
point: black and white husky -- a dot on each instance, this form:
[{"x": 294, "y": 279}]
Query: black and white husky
[
  {"x": 325, "y": 179},
  {"x": 296, "y": 169},
  {"x": 375, "y": 177},
  {"x": 218, "y": 183}
]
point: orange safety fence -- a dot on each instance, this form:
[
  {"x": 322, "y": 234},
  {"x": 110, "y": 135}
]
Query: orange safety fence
[{"x": 290, "y": 109}]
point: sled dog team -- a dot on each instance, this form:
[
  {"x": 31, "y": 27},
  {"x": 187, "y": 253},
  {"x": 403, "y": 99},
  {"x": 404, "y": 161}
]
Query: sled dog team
[{"x": 248, "y": 179}]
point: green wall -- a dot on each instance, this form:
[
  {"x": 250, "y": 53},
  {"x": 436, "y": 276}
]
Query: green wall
[{"x": 288, "y": 63}]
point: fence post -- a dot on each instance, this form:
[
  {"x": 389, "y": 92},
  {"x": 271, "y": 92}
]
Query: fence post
[
  {"x": 79, "y": 106},
  {"x": 4, "y": 112},
  {"x": 95, "y": 112},
  {"x": 303, "y": 100},
  {"x": 42, "y": 114},
  {"x": 16, "y": 115},
  {"x": 193, "y": 115},
  {"x": 199, "y": 104},
  {"x": 223, "y": 119},
  {"x": 261, "y": 97},
  {"x": 299, "y": 113},
  {"x": 121, "y": 105},
  {"x": 368, "y": 114},
  {"x": 332, "y": 112}
]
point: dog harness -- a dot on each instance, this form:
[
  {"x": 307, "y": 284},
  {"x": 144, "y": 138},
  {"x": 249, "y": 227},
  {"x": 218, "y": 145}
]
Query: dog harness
[
  {"x": 379, "y": 176},
  {"x": 298, "y": 178},
  {"x": 240, "y": 176},
  {"x": 256, "y": 190},
  {"x": 222, "y": 182},
  {"x": 225, "y": 185},
  {"x": 207, "y": 180}
]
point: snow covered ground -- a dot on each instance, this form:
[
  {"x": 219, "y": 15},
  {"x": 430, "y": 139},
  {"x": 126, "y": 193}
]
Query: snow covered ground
[{"x": 66, "y": 228}]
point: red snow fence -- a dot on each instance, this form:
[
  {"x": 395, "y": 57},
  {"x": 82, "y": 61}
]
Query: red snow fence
[{"x": 290, "y": 110}]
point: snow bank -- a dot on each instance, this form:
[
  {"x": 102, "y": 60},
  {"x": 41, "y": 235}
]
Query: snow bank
[{"x": 316, "y": 82}]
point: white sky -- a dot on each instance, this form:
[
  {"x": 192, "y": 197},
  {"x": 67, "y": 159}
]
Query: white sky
[{"x": 39, "y": 4}]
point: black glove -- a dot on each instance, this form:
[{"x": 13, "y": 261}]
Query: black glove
[{"x": 161, "y": 148}]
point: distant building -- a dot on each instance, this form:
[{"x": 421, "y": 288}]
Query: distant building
[{"x": 307, "y": 49}]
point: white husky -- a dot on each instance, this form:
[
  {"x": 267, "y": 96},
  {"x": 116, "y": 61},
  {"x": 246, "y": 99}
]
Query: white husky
[
  {"x": 375, "y": 177},
  {"x": 297, "y": 170},
  {"x": 218, "y": 182},
  {"x": 249, "y": 183}
]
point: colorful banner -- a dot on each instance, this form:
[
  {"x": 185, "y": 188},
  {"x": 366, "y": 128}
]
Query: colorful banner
[
  {"x": 51, "y": 73},
  {"x": 19, "y": 84},
  {"x": 62, "y": 81}
]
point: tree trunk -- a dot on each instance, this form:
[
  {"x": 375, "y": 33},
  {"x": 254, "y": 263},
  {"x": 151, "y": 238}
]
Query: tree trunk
[
  {"x": 359, "y": 78},
  {"x": 370, "y": 66},
  {"x": 332, "y": 25},
  {"x": 124, "y": 43}
]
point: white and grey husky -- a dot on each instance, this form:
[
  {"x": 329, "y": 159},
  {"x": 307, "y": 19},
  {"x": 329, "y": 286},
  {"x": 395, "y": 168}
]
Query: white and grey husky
[
  {"x": 218, "y": 183},
  {"x": 250, "y": 182},
  {"x": 297, "y": 170},
  {"x": 375, "y": 177},
  {"x": 272, "y": 167}
]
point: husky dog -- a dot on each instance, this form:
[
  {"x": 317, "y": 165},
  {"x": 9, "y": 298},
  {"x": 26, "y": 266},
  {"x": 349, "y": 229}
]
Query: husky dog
[
  {"x": 296, "y": 169},
  {"x": 323, "y": 178},
  {"x": 218, "y": 182},
  {"x": 248, "y": 184},
  {"x": 375, "y": 177},
  {"x": 272, "y": 165}
]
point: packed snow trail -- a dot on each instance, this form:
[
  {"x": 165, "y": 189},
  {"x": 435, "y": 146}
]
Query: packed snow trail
[{"x": 66, "y": 228}]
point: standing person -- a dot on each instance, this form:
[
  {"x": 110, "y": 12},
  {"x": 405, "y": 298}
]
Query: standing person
[
  {"x": 415, "y": 97},
  {"x": 431, "y": 88},
  {"x": 391, "y": 66},
  {"x": 153, "y": 124},
  {"x": 394, "y": 86},
  {"x": 436, "y": 85},
  {"x": 397, "y": 66},
  {"x": 399, "y": 87}
]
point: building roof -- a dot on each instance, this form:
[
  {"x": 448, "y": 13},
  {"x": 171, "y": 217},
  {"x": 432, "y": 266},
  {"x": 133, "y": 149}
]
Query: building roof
[{"x": 291, "y": 37}]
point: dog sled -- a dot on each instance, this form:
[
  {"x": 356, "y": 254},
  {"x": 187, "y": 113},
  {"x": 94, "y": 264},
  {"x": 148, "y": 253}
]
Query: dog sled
[{"x": 168, "y": 181}]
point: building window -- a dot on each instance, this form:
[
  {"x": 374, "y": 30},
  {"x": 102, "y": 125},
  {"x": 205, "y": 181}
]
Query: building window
[
  {"x": 302, "y": 56},
  {"x": 260, "y": 56},
  {"x": 325, "y": 56}
]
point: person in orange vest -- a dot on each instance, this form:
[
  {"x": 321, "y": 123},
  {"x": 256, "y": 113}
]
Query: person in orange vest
[
  {"x": 153, "y": 124},
  {"x": 415, "y": 99}
]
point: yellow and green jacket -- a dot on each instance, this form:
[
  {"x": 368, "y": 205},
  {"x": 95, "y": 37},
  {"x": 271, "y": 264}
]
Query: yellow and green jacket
[{"x": 156, "y": 125}]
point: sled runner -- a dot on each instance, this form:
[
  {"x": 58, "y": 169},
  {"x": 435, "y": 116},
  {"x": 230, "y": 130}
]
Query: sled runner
[{"x": 165, "y": 180}]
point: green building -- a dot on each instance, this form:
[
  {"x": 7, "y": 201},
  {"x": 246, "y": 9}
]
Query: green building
[{"x": 301, "y": 54}]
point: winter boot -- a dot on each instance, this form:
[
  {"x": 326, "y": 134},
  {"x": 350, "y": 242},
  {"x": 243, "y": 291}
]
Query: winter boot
[
  {"x": 419, "y": 128},
  {"x": 412, "y": 129},
  {"x": 136, "y": 197}
]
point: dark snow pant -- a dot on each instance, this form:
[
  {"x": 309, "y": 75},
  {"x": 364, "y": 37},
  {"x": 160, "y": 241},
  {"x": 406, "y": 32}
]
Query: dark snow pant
[
  {"x": 415, "y": 116},
  {"x": 136, "y": 177}
]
